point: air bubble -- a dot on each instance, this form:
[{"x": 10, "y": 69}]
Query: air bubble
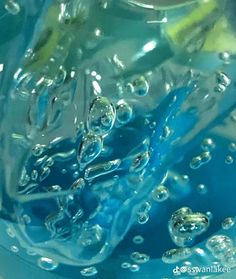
[
  {"x": 228, "y": 223},
  {"x": 140, "y": 162},
  {"x": 185, "y": 225},
  {"x": 14, "y": 249},
  {"x": 143, "y": 218},
  {"x": 140, "y": 86},
  {"x": 229, "y": 160},
  {"x": 89, "y": 271},
  {"x": 202, "y": 189},
  {"x": 223, "y": 81},
  {"x": 91, "y": 235},
  {"x": 101, "y": 116},
  {"x": 208, "y": 144},
  {"x": 10, "y": 232},
  {"x": 134, "y": 268},
  {"x": 176, "y": 255},
  {"x": 47, "y": 264},
  {"x": 139, "y": 258},
  {"x": 138, "y": 239},
  {"x": 232, "y": 147},
  {"x": 225, "y": 57},
  {"x": 160, "y": 193},
  {"x": 38, "y": 149},
  {"x": 200, "y": 160},
  {"x": 218, "y": 245},
  {"x": 123, "y": 112},
  {"x": 78, "y": 185},
  {"x": 125, "y": 265},
  {"x": 12, "y": 7}
]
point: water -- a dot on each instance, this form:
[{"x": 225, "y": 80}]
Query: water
[{"x": 117, "y": 137}]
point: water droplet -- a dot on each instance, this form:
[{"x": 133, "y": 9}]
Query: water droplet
[
  {"x": 202, "y": 189},
  {"x": 138, "y": 239},
  {"x": 160, "y": 193},
  {"x": 47, "y": 264},
  {"x": 139, "y": 258},
  {"x": 228, "y": 223},
  {"x": 90, "y": 149},
  {"x": 143, "y": 218},
  {"x": 176, "y": 255},
  {"x": 140, "y": 162},
  {"x": 12, "y": 7},
  {"x": 218, "y": 245},
  {"x": 101, "y": 116},
  {"x": 14, "y": 249},
  {"x": 229, "y": 160},
  {"x": 123, "y": 112},
  {"x": 89, "y": 271},
  {"x": 232, "y": 147},
  {"x": 208, "y": 144},
  {"x": 125, "y": 265},
  {"x": 134, "y": 268},
  {"x": 140, "y": 86}
]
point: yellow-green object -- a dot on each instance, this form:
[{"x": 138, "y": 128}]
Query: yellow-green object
[{"x": 207, "y": 24}]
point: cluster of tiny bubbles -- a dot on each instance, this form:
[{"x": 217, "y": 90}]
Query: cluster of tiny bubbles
[
  {"x": 124, "y": 112},
  {"x": 101, "y": 116},
  {"x": 229, "y": 160},
  {"x": 185, "y": 225},
  {"x": 228, "y": 223},
  {"x": 232, "y": 147},
  {"x": 90, "y": 149},
  {"x": 14, "y": 249},
  {"x": 89, "y": 271},
  {"x": 223, "y": 82},
  {"x": 139, "y": 258},
  {"x": 202, "y": 189},
  {"x": 138, "y": 239},
  {"x": 218, "y": 245},
  {"x": 200, "y": 160},
  {"x": 12, "y": 7},
  {"x": 160, "y": 193},
  {"x": 208, "y": 144},
  {"x": 175, "y": 255},
  {"x": 47, "y": 263},
  {"x": 139, "y": 86}
]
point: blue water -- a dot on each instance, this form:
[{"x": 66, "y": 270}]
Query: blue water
[{"x": 117, "y": 139}]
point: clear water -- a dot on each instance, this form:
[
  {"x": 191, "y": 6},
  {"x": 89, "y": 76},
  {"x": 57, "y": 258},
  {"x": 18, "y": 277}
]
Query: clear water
[{"x": 117, "y": 138}]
